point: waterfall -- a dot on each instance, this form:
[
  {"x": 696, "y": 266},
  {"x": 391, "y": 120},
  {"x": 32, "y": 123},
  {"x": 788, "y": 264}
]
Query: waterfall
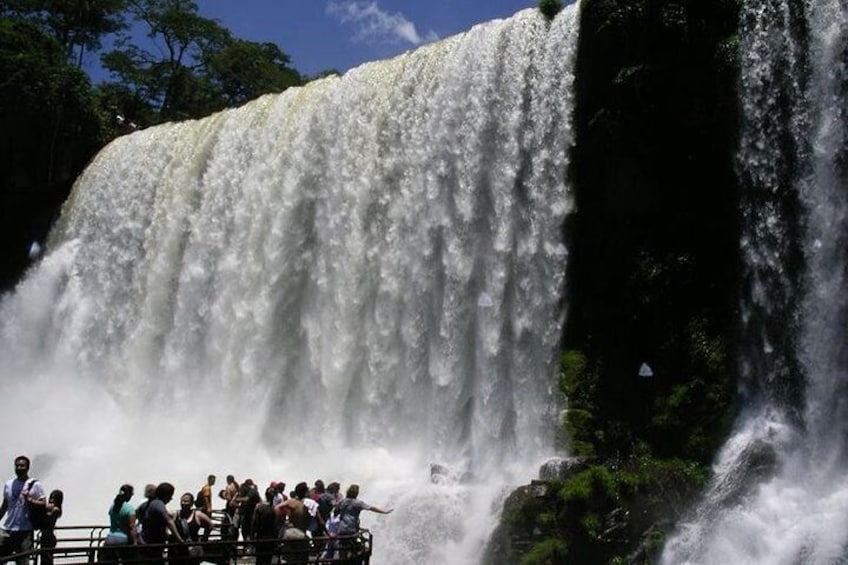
[
  {"x": 781, "y": 490},
  {"x": 351, "y": 280}
]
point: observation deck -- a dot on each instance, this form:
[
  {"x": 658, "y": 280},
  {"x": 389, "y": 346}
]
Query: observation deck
[{"x": 82, "y": 544}]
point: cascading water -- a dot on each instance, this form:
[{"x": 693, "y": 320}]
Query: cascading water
[
  {"x": 781, "y": 492},
  {"x": 352, "y": 280}
]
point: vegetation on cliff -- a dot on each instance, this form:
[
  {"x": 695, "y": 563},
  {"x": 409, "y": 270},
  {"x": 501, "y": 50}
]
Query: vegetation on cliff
[
  {"x": 550, "y": 8},
  {"x": 648, "y": 369}
]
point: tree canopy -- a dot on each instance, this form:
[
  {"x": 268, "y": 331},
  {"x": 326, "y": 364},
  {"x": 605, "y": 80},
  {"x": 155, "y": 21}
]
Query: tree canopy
[
  {"x": 78, "y": 25},
  {"x": 194, "y": 66},
  {"x": 167, "y": 62}
]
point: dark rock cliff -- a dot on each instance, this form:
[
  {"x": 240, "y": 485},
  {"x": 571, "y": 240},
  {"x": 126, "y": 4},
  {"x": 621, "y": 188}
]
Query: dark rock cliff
[{"x": 653, "y": 279}]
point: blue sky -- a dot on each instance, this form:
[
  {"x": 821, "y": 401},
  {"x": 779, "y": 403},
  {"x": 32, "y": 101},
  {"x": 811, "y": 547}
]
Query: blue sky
[{"x": 341, "y": 34}]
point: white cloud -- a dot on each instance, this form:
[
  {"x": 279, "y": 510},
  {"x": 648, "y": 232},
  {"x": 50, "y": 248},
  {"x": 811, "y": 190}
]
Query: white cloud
[{"x": 375, "y": 24}]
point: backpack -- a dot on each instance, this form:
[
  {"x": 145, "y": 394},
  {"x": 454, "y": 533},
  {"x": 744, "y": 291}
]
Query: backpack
[
  {"x": 199, "y": 500},
  {"x": 37, "y": 512}
]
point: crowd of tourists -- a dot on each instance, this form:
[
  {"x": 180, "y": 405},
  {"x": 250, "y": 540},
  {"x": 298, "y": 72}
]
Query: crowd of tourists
[{"x": 143, "y": 532}]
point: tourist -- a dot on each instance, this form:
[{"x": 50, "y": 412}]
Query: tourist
[
  {"x": 19, "y": 494},
  {"x": 326, "y": 501},
  {"x": 119, "y": 545},
  {"x": 158, "y": 522},
  {"x": 247, "y": 500},
  {"x": 331, "y": 526},
  {"x": 265, "y": 528},
  {"x": 296, "y": 542},
  {"x": 349, "y": 509},
  {"x": 317, "y": 490},
  {"x": 190, "y": 521},
  {"x": 204, "y": 498},
  {"x": 229, "y": 494},
  {"x": 301, "y": 492},
  {"x": 141, "y": 511},
  {"x": 279, "y": 492},
  {"x": 297, "y": 516},
  {"x": 53, "y": 512}
]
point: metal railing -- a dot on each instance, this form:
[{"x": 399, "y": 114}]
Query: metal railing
[{"x": 84, "y": 544}]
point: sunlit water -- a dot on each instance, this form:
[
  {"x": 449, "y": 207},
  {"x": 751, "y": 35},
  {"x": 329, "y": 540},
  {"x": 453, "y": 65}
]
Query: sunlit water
[
  {"x": 349, "y": 281},
  {"x": 781, "y": 492}
]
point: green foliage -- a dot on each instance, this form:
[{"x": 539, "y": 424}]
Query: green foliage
[
  {"x": 591, "y": 524},
  {"x": 243, "y": 70},
  {"x": 168, "y": 82},
  {"x": 77, "y": 25},
  {"x": 594, "y": 486},
  {"x": 524, "y": 509},
  {"x": 551, "y": 551},
  {"x": 727, "y": 53},
  {"x": 656, "y": 540},
  {"x": 573, "y": 367},
  {"x": 641, "y": 489},
  {"x": 547, "y": 520},
  {"x": 580, "y": 433},
  {"x": 202, "y": 67},
  {"x": 52, "y": 120},
  {"x": 49, "y": 129},
  {"x": 579, "y": 385},
  {"x": 550, "y": 8},
  {"x": 692, "y": 417}
]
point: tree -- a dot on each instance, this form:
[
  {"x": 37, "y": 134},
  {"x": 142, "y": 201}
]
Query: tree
[
  {"x": 49, "y": 130},
  {"x": 200, "y": 68},
  {"x": 244, "y": 70},
  {"x": 550, "y": 8},
  {"x": 78, "y": 25},
  {"x": 168, "y": 82}
]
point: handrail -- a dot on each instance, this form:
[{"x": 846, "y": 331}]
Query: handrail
[{"x": 80, "y": 549}]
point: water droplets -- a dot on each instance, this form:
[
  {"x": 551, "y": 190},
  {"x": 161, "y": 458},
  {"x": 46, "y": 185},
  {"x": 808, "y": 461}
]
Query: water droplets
[{"x": 485, "y": 300}]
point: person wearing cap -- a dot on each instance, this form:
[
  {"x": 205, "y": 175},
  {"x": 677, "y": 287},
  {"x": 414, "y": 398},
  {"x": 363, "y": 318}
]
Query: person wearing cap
[{"x": 279, "y": 492}]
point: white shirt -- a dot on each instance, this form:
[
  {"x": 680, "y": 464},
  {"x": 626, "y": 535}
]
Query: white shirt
[
  {"x": 17, "y": 511},
  {"x": 311, "y": 505}
]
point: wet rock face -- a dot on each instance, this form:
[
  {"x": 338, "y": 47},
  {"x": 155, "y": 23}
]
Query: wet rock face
[
  {"x": 561, "y": 469},
  {"x": 518, "y": 530},
  {"x": 444, "y": 475}
]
